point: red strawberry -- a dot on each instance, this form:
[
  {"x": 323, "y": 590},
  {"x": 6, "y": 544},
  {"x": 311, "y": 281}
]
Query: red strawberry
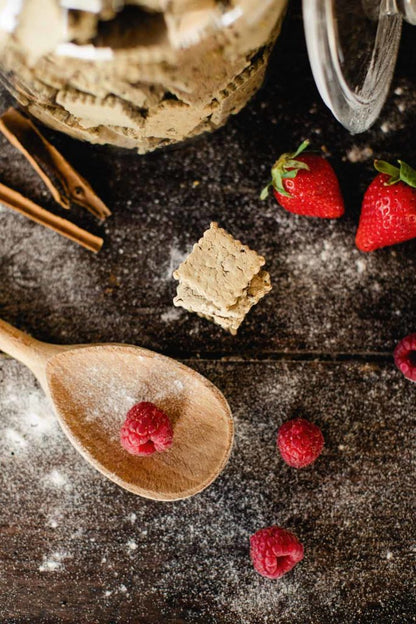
[
  {"x": 306, "y": 185},
  {"x": 388, "y": 213}
]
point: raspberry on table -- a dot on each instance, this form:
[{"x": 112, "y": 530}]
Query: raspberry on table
[
  {"x": 275, "y": 551},
  {"x": 405, "y": 356},
  {"x": 300, "y": 442},
  {"x": 146, "y": 430}
]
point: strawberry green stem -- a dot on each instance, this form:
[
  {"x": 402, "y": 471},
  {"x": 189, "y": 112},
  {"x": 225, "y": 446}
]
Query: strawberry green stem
[
  {"x": 302, "y": 147},
  {"x": 405, "y": 173},
  {"x": 286, "y": 167}
]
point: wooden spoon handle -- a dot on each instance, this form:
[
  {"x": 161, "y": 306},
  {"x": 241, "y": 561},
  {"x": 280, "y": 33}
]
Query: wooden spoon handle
[{"x": 22, "y": 347}]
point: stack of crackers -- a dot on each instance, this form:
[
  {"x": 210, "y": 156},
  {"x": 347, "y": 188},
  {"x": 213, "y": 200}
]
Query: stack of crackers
[{"x": 221, "y": 279}]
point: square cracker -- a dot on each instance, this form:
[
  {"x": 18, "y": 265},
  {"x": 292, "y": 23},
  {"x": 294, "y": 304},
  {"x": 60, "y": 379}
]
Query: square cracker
[
  {"x": 230, "y": 325},
  {"x": 219, "y": 268},
  {"x": 260, "y": 285}
]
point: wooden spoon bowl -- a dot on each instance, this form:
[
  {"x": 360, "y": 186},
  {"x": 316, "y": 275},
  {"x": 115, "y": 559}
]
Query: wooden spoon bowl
[{"x": 93, "y": 386}]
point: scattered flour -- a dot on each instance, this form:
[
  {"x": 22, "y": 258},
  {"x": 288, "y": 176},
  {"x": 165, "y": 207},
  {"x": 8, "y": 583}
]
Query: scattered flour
[
  {"x": 171, "y": 315},
  {"x": 176, "y": 256},
  {"x": 104, "y": 395},
  {"x": 54, "y": 518},
  {"x": 361, "y": 265},
  {"x": 32, "y": 415},
  {"x": 132, "y": 545},
  {"x": 321, "y": 259},
  {"x": 56, "y": 479},
  {"x": 194, "y": 553},
  {"x": 387, "y": 127},
  {"x": 359, "y": 154},
  {"x": 53, "y": 562},
  {"x": 15, "y": 438}
]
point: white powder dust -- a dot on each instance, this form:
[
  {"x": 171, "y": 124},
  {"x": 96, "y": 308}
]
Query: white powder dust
[
  {"x": 56, "y": 479},
  {"x": 359, "y": 154},
  {"x": 194, "y": 554},
  {"x": 109, "y": 394},
  {"x": 32, "y": 416},
  {"x": 176, "y": 257},
  {"x": 171, "y": 315},
  {"x": 53, "y": 562},
  {"x": 15, "y": 438},
  {"x": 132, "y": 545},
  {"x": 387, "y": 127}
]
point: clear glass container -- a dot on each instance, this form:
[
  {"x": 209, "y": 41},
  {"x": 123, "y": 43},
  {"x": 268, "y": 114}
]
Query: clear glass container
[
  {"x": 139, "y": 74},
  {"x": 353, "y": 46},
  {"x": 147, "y": 73}
]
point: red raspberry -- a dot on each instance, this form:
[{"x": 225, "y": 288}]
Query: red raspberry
[
  {"x": 405, "y": 356},
  {"x": 300, "y": 442},
  {"x": 275, "y": 551},
  {"x": 146, "y": 430}
]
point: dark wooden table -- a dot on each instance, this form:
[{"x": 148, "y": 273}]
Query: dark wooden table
[{"x": 76, "y": 548}]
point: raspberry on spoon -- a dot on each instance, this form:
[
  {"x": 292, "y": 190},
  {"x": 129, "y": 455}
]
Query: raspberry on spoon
[{"x": 146, "y": 430}]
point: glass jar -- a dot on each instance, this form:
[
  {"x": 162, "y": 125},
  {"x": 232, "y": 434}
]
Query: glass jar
[
  {"x": 353, "y": 46},
  {"x": 139, "y": 74}
]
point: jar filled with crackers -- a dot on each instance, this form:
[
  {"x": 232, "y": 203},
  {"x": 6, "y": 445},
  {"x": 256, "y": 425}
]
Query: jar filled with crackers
[{"x": 139, "y": 74}]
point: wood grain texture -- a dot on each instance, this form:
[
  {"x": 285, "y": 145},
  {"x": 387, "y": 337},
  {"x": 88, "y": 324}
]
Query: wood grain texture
[
  {"x": 74, "y": 543},
  {"x": 92, "y": 387},
  {"x": 113, "y": 557},
  {"x": 328, "y": 298}
]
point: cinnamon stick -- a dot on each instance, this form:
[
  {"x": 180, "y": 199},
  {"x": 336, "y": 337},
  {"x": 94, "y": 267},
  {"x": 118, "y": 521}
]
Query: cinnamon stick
[
  {"x": 25, "y": 206},
  {"x": 60, "y": 177}
]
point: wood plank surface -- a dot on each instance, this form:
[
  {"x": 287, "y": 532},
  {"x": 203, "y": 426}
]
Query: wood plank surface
[
  {"x": 74, "y": 543},
  {"x": 76, "y": 548},
  {"x": 328, "y": 297}
]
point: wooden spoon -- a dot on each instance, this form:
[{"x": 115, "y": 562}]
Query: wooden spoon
[{"x": 93, "y": 386}]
